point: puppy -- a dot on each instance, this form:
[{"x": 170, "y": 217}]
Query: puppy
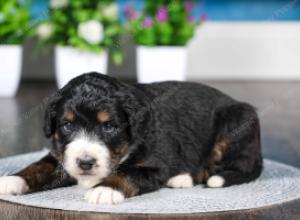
[{"x": 120, "y": 140}]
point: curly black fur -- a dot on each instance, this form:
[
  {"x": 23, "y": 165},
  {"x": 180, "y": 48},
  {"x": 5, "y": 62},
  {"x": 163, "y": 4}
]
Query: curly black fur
[{"x": 170, "y": 128}]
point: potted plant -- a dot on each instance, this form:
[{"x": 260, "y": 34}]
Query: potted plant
[
  {"x": 162, "y": 31},
  {"x": 84, "y": 32},
  {"x": 14, "y": 21}
]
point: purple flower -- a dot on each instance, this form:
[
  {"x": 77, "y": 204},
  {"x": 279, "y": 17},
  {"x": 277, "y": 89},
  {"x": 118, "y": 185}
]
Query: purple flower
[
  {"x": 188, "y": 6},
  {"x": 148, "y": 22},
  {"x": 130, "y": 12},
  {"x": 162, "y": 14}
]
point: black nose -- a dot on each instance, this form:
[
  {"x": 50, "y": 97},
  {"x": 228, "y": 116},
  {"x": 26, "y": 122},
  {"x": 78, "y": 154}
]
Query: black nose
[{"x": 86, "y": 163}]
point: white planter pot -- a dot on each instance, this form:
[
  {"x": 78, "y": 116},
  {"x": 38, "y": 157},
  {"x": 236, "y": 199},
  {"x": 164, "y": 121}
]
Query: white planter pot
[
  {"x": 161, "y": 63},
  {"x": 10, "y": 69},
  {"x": 71, "y": 62}
]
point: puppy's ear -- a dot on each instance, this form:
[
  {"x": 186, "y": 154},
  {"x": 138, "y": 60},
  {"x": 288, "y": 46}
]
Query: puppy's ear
[
  {"x": 51, "y": 115},
  {"x": 138, "y": 111}
]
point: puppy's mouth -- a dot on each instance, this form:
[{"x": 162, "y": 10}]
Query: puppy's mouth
[{"x": 86, "y": 174}]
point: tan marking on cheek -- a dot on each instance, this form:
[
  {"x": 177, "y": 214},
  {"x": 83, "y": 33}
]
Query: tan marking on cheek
[
  {"x": 122, "y": 150},
  {"x": 117, "y": 155},
  {"x": 69, "y": 116},
  {"x": 103, "y": 116}
]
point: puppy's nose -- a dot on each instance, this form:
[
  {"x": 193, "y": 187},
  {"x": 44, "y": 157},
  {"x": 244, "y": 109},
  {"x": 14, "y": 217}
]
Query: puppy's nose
[{"x": 86, "y": 163}]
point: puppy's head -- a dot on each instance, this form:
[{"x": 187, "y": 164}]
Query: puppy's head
[{"x": 90, "y": 127}]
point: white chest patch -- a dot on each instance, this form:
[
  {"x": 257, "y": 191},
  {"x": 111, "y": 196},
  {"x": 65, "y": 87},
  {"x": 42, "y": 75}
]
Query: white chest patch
[{"x": 88, "y": 183}]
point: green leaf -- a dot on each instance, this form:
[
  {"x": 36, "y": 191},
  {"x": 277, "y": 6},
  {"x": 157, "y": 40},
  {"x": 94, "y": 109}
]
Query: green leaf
[
  {"x": 117, "y": 57},
  {"x": 67, "y": 20},
  {"x": 14, "y": 22},
  {"x": 112, "y": 30}
]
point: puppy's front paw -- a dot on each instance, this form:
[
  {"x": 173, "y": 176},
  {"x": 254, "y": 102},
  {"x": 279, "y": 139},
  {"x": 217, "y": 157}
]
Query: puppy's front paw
[
  {"x": 181, "y": 181},
  {"x": 104, "y": 195},
  {"x": 215, "y": 181},
  {"x": 13, "y": 185}
]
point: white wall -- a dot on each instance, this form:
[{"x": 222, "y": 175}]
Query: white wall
[
  {"x": 220, "y": 50},
  {"x": 246, "y": 50}
]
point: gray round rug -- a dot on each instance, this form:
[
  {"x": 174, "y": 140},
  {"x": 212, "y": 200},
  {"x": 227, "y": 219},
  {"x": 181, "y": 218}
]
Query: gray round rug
[{"x": 278, "y": 183}]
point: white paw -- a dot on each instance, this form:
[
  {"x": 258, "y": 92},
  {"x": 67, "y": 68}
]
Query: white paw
[
  {"x": 12, "y": 185},
  {"x": 181, "y": 181},
  {"x": 215, "y": 181},
  {"x": 104, "y": 195}
]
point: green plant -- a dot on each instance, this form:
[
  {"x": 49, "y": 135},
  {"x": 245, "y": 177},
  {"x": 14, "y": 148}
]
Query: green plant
[
  {"x": 14, "y": 22},
  {"x": 162, "y": 22},
  {"x": 87, "y": 25}
]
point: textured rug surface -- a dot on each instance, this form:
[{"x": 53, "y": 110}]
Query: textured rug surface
[{"x": 278, "y": 183}]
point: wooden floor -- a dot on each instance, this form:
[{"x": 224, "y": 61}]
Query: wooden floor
[
  {"x": 286, "y": 211},
  {"x": 278, "y": 104}
]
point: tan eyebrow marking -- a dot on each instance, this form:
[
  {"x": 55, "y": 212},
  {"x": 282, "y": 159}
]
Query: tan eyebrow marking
[
  {"x": 103, "y": 116},
  {"x": 70, "y": 116}
]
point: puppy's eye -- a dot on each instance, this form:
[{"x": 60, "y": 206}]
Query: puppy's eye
[
  {"x": 109, "y": 127},
  {"x": 68, "y": 127}
]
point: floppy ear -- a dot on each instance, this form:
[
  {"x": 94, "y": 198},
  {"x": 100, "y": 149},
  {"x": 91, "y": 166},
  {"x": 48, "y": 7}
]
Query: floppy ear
[
  {"x": 138, "y": 111},
  {"x": 51, "y": 115}
]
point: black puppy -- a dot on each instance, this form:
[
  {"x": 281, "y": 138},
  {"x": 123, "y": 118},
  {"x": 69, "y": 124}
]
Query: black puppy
[{"x": 122, "y": 140}]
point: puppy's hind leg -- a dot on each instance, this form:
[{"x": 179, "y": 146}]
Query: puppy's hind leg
[{"x": 237, "y": 150}]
